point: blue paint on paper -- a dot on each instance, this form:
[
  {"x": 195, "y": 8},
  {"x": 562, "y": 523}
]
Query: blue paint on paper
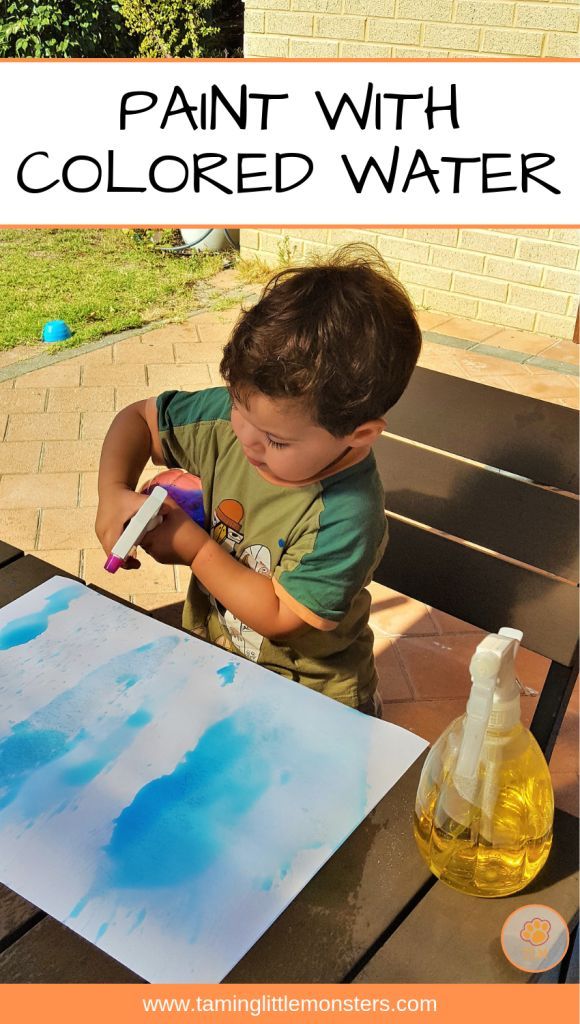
[
  {"x": 28, "y": 627},
  {"x": 138, "y": 921},
  {"x": 139, "y": 718},
  {"x": 228, "y": 673},
  {"x": 106, "y": 751},
  {"x": 177, "y": 825},
  {"x": 25, "y": 751},
  {"x": 79, "y": 907},
  {"x": 101, "y": 931}
]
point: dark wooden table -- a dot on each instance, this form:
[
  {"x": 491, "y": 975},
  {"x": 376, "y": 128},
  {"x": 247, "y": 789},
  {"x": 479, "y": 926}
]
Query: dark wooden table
[{"x": 373, "y": 913}]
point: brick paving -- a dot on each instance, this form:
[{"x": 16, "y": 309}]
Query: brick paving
[{"x": 53, "y": 420}]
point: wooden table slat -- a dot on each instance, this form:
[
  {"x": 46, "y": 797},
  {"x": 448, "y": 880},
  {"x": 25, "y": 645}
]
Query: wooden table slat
[{"x": 456, "y": 938}]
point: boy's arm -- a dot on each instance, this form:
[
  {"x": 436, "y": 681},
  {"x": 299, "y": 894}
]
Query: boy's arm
[
  {"x": 246, "y": 594},
  {"x": 132, "y": 439}
]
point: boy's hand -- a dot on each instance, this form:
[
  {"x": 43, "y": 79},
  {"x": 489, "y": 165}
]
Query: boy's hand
[
  {"x": 116, "y": 507},
  {"x": 177, "y": 540}
]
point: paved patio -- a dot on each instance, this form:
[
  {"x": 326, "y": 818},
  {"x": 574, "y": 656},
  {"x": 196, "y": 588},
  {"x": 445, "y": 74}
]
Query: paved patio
[{"x": 53, "y": 420}]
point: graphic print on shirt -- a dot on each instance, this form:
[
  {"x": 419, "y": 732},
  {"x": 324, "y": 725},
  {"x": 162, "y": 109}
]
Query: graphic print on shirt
[
  {"x": 246, "y": 640},
  {"x": 227, "y": 530}
]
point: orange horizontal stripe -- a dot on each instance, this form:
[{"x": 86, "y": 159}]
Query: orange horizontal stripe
[{"x": 303, "y": 613}]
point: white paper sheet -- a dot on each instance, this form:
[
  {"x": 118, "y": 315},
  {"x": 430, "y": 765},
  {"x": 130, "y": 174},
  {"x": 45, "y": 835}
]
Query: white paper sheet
[{"x": 162, "y": 797}]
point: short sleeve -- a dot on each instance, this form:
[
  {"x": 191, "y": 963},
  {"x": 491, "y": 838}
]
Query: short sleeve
[
  {"x": 186, "y": 422},
  {"x": 335, "y": 554}
]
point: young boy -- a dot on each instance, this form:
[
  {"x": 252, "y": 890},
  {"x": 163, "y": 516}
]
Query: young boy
[{"x": 293, "y": 501}]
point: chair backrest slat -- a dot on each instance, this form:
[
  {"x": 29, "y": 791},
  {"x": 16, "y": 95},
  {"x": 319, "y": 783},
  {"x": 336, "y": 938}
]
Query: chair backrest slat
[
  {"x": 488, "y": 508},
  {"x": 485, "y": 591},
  {"x": 533, "y": 439}
]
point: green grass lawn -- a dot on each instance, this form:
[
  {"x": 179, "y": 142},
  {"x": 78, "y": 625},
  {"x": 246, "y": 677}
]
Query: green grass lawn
[{"x": 99, "y": 281}]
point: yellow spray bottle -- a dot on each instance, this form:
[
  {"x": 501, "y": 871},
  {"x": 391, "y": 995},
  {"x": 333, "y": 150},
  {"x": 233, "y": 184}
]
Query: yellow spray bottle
[{"x": 485, "y": 804}]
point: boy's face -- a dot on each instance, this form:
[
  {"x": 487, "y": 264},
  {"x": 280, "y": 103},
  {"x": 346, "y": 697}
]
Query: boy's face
[{"x": 279, "y": 437}]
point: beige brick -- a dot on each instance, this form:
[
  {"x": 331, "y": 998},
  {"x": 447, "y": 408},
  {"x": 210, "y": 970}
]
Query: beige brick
[
  {"x": 519, "y": 43},
  {"x": 151, "y": 578},
  {"x": 140, "y": 350},
  {"x": 344, "y": 236},
  {"x": 428, "y": 10},
  {"x": 367, "y": 51},
  {"x": 215, "y": 375},
  {"x": 27, "y": 400},
  {"x": 488, "y": 241},
  {"x": 68, "y": 561},
  {"x": 457, "y": 259},
  {"x": 477, "y": 12},
  {"x": 20, "y": 456},
  {"x": 100, "y": 357},
  {"x": 254, "y": 21},
  {"x": 416, "y": 294},
  {"x": 452, "y": 37},
  {"x": 263, "y": 46},
  {"x": 59, "y": 456},
  {"x": 315, "y": 250},
  {"x": 126, "y": 395},
  {"x": 570, "y": 236},
  {"x": 561, "y": 46},
  {"x": 411, "y": 273},
  {"x": 528, "y": 232},
  {"x": 513, "y": 270},
  {"x": 249, "y": 238},
  {"x": 368, "y": 8},
  {"x": 88, "y": 492},
  {"x": 40, "y": 426},
  {"x": 549, "y": 253},
  {"x": 187, "y": 376},
  {"x": 557, "y": 326},
  {"x": 19, "y": 527},
  {"x": 481, "y": 287},
  {"x": 449, "y": 303},
  {"x": 119, "y": 373},
  {"x": 314, "y": 235},
  {"x": 572, "y": 309},
  {"x": 437, "y": 236},
  {"x": 538, "y": 298},
  {"x": 41, "y": 490},
  {"x": 385, "y": 31},
  {"x": 74, "y": 530},
  {"x": 411, "y": 52},
  {"x": 547, "y": 16},
  {"x": 289, "y": 24},
  {"x": 204, "y": 352},
  {"x": 94, "y": 425},
  {"x": 403, "y": 249},
  {"x": 313, "y": 48},
  {"x": 267, "y": 5},
  {"x": 80, "y": 399},
  {"x": 317, "y": 6},
  {"x": 3, "y": 424},
  {"x": 339, "y": 27},
  {"x": 68, "y": 372},
  {"x": 507, "y": 316},
  {"x": 561, "y": 281}
]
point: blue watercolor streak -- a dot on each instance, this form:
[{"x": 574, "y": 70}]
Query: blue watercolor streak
[
  {"x": 57, "y": 729},
  {"x": 179, "y": 824},
  {"x": 106, "y": 751},
  {"x": 227, "y": 673},
  {"x": 28, "y": 627},
  {"x": 138, "y": 921},
  {"x": 80, "y": 906},
  {"x": 101, "y": 931}
]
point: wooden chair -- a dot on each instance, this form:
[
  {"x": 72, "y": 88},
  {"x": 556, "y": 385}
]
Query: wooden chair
[{"x": 480, "y": 490}]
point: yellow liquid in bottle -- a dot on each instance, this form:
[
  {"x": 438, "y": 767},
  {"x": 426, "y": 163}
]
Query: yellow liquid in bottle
[{"x": 501, "y": 851}]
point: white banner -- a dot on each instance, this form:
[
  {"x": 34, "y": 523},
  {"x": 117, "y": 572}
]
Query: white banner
[{"x": 256, "y": 143}]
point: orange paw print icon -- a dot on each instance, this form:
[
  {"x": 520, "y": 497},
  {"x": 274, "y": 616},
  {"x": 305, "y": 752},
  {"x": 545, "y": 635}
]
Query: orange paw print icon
[{"x": 536, "y": 931}]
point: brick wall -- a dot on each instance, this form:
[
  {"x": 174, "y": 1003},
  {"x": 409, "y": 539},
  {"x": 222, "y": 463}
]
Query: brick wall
[
  {"x": 526, "y": 279},
  {"x": 410, "y": 28}
]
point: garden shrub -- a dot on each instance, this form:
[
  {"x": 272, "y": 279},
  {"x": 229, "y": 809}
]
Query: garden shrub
[{"x": 63, "y": 28}]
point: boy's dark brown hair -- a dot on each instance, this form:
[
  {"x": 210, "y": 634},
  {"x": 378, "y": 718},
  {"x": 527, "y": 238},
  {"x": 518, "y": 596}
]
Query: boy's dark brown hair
[{"x": 341, "y": 335}]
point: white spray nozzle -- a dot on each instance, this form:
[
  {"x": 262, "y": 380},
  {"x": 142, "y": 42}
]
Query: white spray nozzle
[{"x": 494, "y": 689}]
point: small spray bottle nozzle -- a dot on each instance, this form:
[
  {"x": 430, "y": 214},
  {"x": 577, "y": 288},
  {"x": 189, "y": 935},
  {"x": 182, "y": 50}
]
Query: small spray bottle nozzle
[{"x": 494, "y": 696}]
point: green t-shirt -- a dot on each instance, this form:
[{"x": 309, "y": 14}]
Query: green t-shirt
[{"x": 319, "y": 543}]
